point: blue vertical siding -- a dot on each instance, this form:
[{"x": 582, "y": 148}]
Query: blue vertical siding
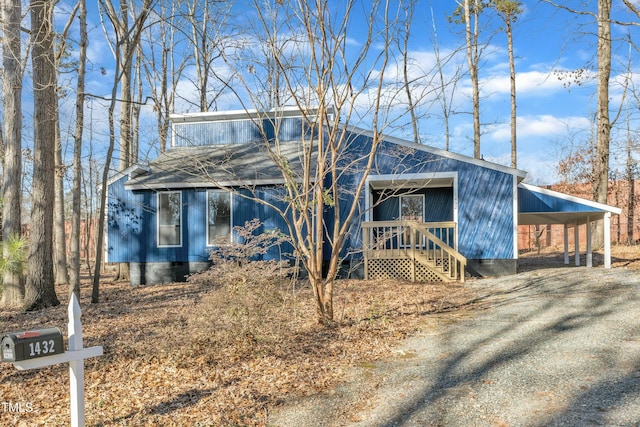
[
  {"x": 245, "y": 209},
  {"x": 126, "y": 223},
  {"x": 236, "y": 131},
  {"x": 438, "y": 205},
  {"x": 485, "y": 206},
  {"x": 485, "y": 196},
  {"x": 132, "y": 227},
  {"x": 485, "y": 215},
  {"x": 132, "y": 223}
]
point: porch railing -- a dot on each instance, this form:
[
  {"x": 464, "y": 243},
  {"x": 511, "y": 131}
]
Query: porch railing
[{"x": 412, "y": 250}]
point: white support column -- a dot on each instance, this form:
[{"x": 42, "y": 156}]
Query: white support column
[
  {"x": 589, "y": 251},
  {"x": 566, "y": 244},
  {"x": 607, "y": 240},
  {"x": 576, "y": 242}
]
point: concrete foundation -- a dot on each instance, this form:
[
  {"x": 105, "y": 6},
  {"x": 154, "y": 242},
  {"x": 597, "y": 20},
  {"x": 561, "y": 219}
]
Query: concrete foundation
[
  {"x": 491, "y": 267},
  {"x": 151, "y": 273}
]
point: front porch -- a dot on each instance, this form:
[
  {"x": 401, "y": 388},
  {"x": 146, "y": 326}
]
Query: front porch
[{"x": 413, "y": 251}]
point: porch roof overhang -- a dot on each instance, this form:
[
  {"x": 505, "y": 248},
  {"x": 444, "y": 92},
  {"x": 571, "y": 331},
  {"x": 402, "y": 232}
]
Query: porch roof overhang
[
  {"x": 410, "y": 180},
  {"x": 538, "y": 205}
]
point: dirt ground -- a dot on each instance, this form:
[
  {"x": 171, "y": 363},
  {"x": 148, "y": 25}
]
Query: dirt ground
[
  {"x": 552, "y": 257},
  {"x": 186, "y": 354}
]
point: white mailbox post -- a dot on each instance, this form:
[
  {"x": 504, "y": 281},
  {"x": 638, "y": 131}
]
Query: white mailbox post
[{"x": 75, "y": 356}]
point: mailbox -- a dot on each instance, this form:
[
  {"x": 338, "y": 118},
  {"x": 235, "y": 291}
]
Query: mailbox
[{"x": 32, "y": 344}]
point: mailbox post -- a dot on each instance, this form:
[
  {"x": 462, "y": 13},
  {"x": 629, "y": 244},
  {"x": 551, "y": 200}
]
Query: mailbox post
[{"x": 44, "y": 347}]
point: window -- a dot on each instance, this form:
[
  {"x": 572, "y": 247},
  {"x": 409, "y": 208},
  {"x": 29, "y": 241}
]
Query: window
[
  {"x": 218, "y": 216},
  {"x": 170, "y": 218},
  {"x": 411, "y": 209}
]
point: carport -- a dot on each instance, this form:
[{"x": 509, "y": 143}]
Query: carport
[{"x": 537, "y": 206}]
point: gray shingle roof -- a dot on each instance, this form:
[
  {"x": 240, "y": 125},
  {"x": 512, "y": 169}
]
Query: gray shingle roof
[{"x": 219, "y": 165}]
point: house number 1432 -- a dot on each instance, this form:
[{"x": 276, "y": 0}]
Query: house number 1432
[{"x": 46, "y": 348}]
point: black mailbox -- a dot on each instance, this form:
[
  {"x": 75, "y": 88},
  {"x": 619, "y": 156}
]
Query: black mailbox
[{"x": 32, "y": 344}]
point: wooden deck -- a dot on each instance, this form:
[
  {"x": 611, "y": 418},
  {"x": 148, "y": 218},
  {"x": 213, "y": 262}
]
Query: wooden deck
[{"x": 410, "y": 250}]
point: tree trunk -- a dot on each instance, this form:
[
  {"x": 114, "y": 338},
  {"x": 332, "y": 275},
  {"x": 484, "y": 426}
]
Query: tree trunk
[
  {"x": 13, "y": 284},
  {"x": 512, "y": 75},
  {"x": 126, "y": 45},
  {"x": 630, "y": 211},
  {"x": 74, "y": 283},
  {"x": 601, "y": 178},
  {"x": 472, "y": 60},
  {"x": 631, "y": 188},
  {"x": 40, "y": 290},
  {"x": 61, "y": 270}
]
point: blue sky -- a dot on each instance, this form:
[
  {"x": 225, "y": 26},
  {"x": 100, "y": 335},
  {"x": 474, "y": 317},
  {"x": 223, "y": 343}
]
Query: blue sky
[{"x": 553, "y": 113}]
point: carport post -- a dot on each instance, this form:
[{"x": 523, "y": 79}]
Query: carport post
[
  {"x": 566, "y": 243},
  {"x": 576, "y": 242},
  {"x": 607, "y": 240},
  {"x": 589, "y": 251}
]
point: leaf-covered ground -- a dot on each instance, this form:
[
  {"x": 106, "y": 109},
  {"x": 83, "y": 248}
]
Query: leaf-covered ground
[{"x": 187, "y": 354}]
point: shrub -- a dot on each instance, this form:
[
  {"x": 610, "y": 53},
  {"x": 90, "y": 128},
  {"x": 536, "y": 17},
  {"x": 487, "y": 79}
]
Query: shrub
[
  {"x": 238, "y": 262},
  {"x": 16, "y": 259},
  {"x": 248, "y": 290}
]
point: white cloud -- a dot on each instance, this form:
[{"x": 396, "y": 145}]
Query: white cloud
[
  {"x": 541, "y": 126},
  {"x": 528, "y": 83}
]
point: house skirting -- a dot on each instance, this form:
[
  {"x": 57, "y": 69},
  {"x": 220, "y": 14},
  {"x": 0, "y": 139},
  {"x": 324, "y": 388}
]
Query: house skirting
[
  {"x": 150, "y": 273},
  {"x": 491, "y": 267}
]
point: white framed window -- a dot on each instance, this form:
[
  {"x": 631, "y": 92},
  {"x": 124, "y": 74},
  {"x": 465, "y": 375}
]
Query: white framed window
[
  {"x": 219, "y": 221},
  {"x": 169, "y": 218}
]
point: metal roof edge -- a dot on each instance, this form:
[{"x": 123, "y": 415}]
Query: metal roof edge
[
  {"x": 571, "y": 198},
  {"x": 287, "y": 111}
]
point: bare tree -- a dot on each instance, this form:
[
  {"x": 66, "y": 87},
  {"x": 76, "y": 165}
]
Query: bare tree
[
  {"x": 12, "y": 281},
  {"x": 604, "y": 124},
  {"x": 324, "y": 77},
  {"x": 76, "y": 212},
  {"x": 443, "y": 85},
  {"x": 471, "y": 9},
  {"x": 509, "y": 10},
  {"x": 40, "y": 291},
  {"x": 124, "y": 47},
  {"x": 631, "y": 167},
  {"x": 603, "y": 134},
  {"x": 205, "y": 23},
  {"x": 404, "y": 49},
  {"x": 164, "y": 64},
  {"x": 60, "y": 270}
]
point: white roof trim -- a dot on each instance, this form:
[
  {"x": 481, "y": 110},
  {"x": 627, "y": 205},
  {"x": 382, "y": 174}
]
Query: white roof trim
[
  {"x": 130, "y": 172},
  {"x": 202, "y": 184},
  {"x": 408, "y": 180},
  {"x": 571, "y": 198}
]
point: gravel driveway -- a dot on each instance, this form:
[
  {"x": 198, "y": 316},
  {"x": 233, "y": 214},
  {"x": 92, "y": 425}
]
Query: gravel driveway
[{"x": 554, "y": 347}]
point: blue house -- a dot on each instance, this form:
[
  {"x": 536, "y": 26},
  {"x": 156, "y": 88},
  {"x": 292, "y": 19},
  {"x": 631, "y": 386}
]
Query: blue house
[{"x": 425, "y": 213}]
